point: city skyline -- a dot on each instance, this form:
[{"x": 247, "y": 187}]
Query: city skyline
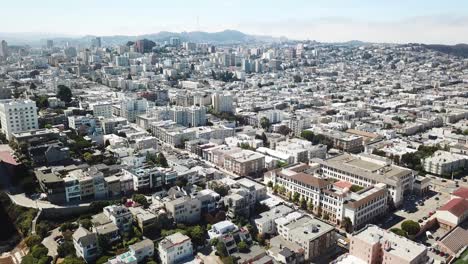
[{"x": 326, "y": 21}]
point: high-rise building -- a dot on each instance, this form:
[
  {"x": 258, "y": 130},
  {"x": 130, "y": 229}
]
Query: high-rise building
[
  {"x": 222, "y": 103},
  {"x": 130, "y": 108},
  {"x": 144, "y": 45},
  {"x": 246, "y": 65},
  {"x": 174, "y": 41},
  {"x": 121, "y": 61},
  {"x": 50, "y": 43},
  {"x": 4, "y": 49},
  {"x": 96, "y": 42},
  {"x": 17, "y": 116}
]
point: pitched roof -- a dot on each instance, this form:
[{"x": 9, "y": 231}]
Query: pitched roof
[
  {"x": 461, "y": 192},
  {"x": 455, "y": 240},
  {"x": 310, "y": 180},
  {"x": 343, "y": 184},
  {"x": 456, "y": 206}
]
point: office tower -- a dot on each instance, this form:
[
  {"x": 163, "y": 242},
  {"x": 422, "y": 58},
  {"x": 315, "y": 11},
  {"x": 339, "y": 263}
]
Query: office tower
[
  {"x": 174, "y": 41},
  {"x": 96, "y": 42},
  {"x": 144, "y": 45},
  {"x": 222, "y": 103},
  {"x": 4, "y": 49},
  {"x": 17, "y": 116},
  {"x": 50, "y": 43}
]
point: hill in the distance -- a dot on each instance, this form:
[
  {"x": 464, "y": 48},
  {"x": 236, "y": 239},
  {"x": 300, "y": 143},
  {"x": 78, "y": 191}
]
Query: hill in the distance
[
  {"x": 460, "y": 50},
  {"x": 223, "y": 37}
]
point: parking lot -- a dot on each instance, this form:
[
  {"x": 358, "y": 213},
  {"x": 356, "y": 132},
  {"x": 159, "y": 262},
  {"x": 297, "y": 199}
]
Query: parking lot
[{"x": 418, "y": 208}]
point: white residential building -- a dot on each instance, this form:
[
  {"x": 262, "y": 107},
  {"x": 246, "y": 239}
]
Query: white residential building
[
  {"x": 17, "y": 116},
  {"x": 222, "y": 103},
  {"x": 175, "y": 249}
]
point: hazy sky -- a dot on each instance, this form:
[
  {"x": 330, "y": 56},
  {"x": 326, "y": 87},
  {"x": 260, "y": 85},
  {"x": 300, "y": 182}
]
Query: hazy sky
[{"x": 429, "y": 21}]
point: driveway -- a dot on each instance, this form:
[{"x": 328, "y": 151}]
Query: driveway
[{"x": 50, "y": 243}]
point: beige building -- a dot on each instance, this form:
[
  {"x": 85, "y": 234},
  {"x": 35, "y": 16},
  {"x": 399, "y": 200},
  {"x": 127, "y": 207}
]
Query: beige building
[{"x": 375, "y": 245}]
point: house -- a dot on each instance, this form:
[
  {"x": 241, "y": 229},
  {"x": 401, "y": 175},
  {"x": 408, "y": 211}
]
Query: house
[
  {"x": 175, "y": 249},
  {"x": 120, "y": 216},
  {"x": 86, "y": 244},
  {"x": 142, "y": 250}
]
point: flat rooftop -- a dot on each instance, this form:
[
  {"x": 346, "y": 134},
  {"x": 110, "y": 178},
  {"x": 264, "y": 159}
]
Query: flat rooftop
[{"x": 399, "y": 246}]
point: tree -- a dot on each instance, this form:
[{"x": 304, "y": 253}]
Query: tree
[
  {"x": 67, "y": 226},
  {"x": 310, "y": 206},
  {"x": 64, "y": 93},
  {"x": 270, "y": 184},
  {"x": 141, "y": 199},
  {"x": 73, "y": 260},
  {"x": 303, "y": 203},
  {"x": 221, "y": 249},
  {"x": 42, "y": 228},
  {"x": 66, "y": 249},
  {"x": 197, "y": 234},
  {"x": 39, "y": 251},
  {"x": 86, "y": 223},
  {"x": 243, "y": 247},
  {"x": 308, "y": 135},
  {"x": 265, "y": 123},
  {"x": 284, "y": 130},
  {"x": 296, "y": 197},
  {"x": 32, "y": 240},
  {"x": 161, "y": 161},
  {"x": 399, "y": 232},
  {"x": 347, "y": 224},
  {"x": 103, "y": 259},
  {"x": 410, "y": 227},
  {"x": 34, "y": 73}
]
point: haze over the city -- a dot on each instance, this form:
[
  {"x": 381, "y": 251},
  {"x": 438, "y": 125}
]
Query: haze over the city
[{"x": 444, "y": 22}]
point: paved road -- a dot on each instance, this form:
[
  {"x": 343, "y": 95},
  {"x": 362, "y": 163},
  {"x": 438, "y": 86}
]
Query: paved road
[{"x": 24, "y": 201}]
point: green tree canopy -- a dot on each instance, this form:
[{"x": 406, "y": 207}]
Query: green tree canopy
[
  {"x": 411, "y": 227},
  {"x": 64, "y": 93}
]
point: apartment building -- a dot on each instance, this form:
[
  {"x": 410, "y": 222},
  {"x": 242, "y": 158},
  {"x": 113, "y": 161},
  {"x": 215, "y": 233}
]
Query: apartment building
[
  {"x": 366, "y": 170},
  {"x": 171, "y": 133},
  {"x": 266, "y": 222},
  {"x": 445, "y": 163},
  {"x": 111, "y": 124},
  {"x": 314, "y": 236},
  {"x": 175, "y": 249},
  {"x": 244, "y": 162},
  {"x": 222, "y": 103},
  {"x": 375, "y": 245},
  {"x": 17, "y": 116},
  {"x": 103, "y": 109},
  {"x": 131, "y": 107},
  {"x": 184, "y": 209},
  {"x": 344, "y": 141}
]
